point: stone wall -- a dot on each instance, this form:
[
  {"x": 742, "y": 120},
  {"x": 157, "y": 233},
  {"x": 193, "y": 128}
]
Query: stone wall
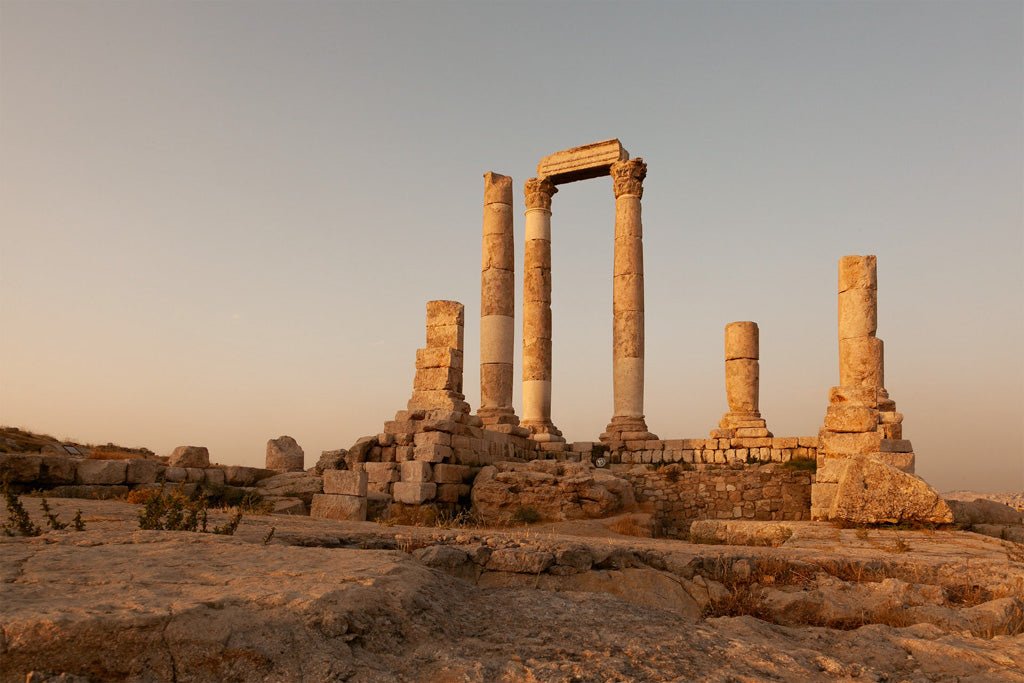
[
  {"x": 702, "y": 451},
  {"x": 679, "y": 494}
]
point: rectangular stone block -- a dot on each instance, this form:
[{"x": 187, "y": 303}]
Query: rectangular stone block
[
  {"x": 750, "y": 442},
  {"x": 437, "y": 379},
  {"x": 102, "y": 471},
  {"x": 451, "y": 474},
  {"x": 785, "y": 442},
  {"x": 433, "y": 438},
  {"x": 850, "y": 443},
  {"x": 692, "y": 444},
  {"x": 144, "y": 471},
  {"x": 413, "y": 492},
  {"x": 858, "y": 272},
  {"x": 377, "y": 472},
  {"x": 438, "y": 357},
  {"x": 416, "y": 470},
  {"x": 445, "y": 313},
  {"x": 338, "y": 507},
  {"x": 580, "y": 163},
  {"x": 854, "y": 394},
  {"x": 851, "y": 418},
  {"x": 432, "y": 453},
  {"x": 896, "y": 446},
  {"x": 446, "y": 336},
  {"x": 450, "y": 493},
  {"x": 345, "y": 482},
  {"x": 746, "y": 432},
  {"x": 901, "y": 461},
  {"x": 212, "y": 475}
]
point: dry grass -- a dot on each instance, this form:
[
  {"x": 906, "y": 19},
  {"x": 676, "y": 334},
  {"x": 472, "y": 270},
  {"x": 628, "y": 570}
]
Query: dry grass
[{"x": 630, "y": 526}]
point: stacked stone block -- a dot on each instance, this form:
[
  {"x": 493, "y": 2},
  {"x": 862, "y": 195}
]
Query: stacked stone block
[
  {"x": 742, "y": 384},
  {"x": 721, "y": 451},
  {"x": 861, "y": 419},
  {"x": 344, "y": 496},
  {"x": 497, "y": 303},
  {"x": 438, "y": 381}
]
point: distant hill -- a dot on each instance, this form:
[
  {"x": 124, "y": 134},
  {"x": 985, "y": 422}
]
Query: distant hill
[
  {"x": 1014, "y": 500},
  {"x": 15, "y": 440}
]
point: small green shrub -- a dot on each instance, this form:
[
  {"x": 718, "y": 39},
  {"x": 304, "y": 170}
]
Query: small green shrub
[
  {"x": 525, "y": 514},
  {"x": 173, "y": 512},
  {"x": 18, "y": 521},
  {"x": 805, "y": 464},
  {"x": 51, "y": 518}
]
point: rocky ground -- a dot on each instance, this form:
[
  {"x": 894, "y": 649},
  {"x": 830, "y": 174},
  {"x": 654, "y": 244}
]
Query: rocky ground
[{"x": 570, "y": 601}]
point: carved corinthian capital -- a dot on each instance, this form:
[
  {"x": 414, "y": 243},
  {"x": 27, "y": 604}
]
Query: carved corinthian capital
[
  {"x": 628, "y": 177},
  {"x": 538, "y": 193}
]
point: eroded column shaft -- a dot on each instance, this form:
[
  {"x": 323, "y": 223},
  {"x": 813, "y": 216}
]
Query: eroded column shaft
[
  {"x": 860, "y": 351},
  {"x": 497, "y": 302},
  {"x": 742, "y": 370}
]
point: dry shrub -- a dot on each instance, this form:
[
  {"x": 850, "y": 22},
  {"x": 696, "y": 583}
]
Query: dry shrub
[
  {"x": 525, "y": 514},
  {"x": 141, "y": 496},
  {"x": 629, "y": 526},
  {"x": 399, "y": 514},
  {"x": 105, "y": 453}
]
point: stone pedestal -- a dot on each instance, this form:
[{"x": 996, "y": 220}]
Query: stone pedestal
[
  {"x": 497, "y": 303},
  {"x": 742, "y": 384},
  {"x": 628, "y": 421},
  {"x": 537, "y": 312}
]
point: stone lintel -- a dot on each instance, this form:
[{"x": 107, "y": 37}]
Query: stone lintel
[{"x": 581, "y": 163}]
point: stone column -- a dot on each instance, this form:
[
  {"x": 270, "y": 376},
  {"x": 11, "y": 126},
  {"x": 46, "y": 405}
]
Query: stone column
[
  {"x": 628, "y": 305},
  {"x": 537, "y": 312},
  {"x": 860, "y": 351},
  {"x": 742, "y": 383},
  {"x": 497, "y": 303},
  {"x": 438, "y": 381}
]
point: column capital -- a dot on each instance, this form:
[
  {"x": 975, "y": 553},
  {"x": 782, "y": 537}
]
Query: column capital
[
  {"x": 538, "y": 193},
  {"x": 628, "y": 177}
]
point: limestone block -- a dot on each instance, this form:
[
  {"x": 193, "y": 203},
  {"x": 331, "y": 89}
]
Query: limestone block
[
  {"x": 850, "y": 443},
  {"x": 628, "y": 334},
  {"x": 377, "y": 472},
  {"x": 901, "y": 461},
  {"x": 432, "y": 453},
  {"x": 537, "y": 323},
  {"x": 629, "y": 256},
  {"x": 496, "y": 384},
  {"x": 858, "y": 313},
  {"x": 236, "y": 475},
  {"x": 340, "y": 507},
  {"x": 451, "y": 336},
  {"x": 860, "y": 361},
  {"x": 437, "y": 379},
  {"x": 102, "y": 471},
  {"x": 287, "y": 506},
  {"x": 190, "y": 456},
  {"x": 741, "y": 384},
  {"x": 450, "y": 493},
  {"x": 451, "y": 474},
  {"x": 498, "y": 249},
  {"x": 417, "y": 470},
  {"x": 432, "y": 438},
  {"x": 441, "y": 312},
  {"x": 345, "y": 482},
  {"x": 214, "y": 476},
  {"x": 850, "y": 418},
  {"x": 536, "y": 281},
  {"x": 858, "y": 272},
  {"x": 628, "y": 293},
  {"x": 497, "y": 292},
  {"x": 742, "y": 341},
  {"x": 438, "y": 357},
  {"x": 497, "y": 188},
  {"x": 628, "y": 222},
  {"x": 20, "y": 468},
  {"x": 752, "y": 432},
  {"x": 536, "y": 360},
  {"x": 580, "y": 163},
  {"x": 195, "y": 475},
  {"x": 53, "y": 469},
  {"x": 872, "y": 492},
  {"x": 175, "y": 474},
  {"x": 497, "y": 338},
  {"x": 284, "y": 455},
  {"x": 854, "y": 394},
  {"x": 413, "y": 492},
  {"x": 143, "y": 471}
]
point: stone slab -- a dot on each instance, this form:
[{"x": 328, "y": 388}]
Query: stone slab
[
  {"x": 345, "y": 482},
  {"x": 581, "y": 163},
  {"x": 334, "y": 506}
]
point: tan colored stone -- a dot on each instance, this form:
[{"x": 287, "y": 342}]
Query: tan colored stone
[
  {"x": 378, "y": 472},
  {"x": 285, "y": 455},
  {"x": 850, "y": 443},
  {"x": 628, "y": 293},
  {"x": 851, "y": 418},
  {"x": 339, "y": 507},
  {"x": 417, "y": 470},
  {"x": 895, "y": 446},
  {"x": 537, "y": 193},
  {"x": 102, "y": 471},
  {"x": 497, "y": 292},
  {"x": 498, "y": 252},
  {"x": 629, "y": 256},
  {"x": 432, "y": 453},
  {"x": 860, "y": 395},
  {"x": 536, "y": 286},
  {"x": 858, "y": 272},
  {"x": 428, "y": 379},
  {"x": 345, "y": 482},
  {"x": 628, "y": 334},
  {"x": 581, "y": 163},
  {"x": 496, "y": 385},
  {"x": 538, "y": 323},
  {"x": 741, "y": 384},
  {"x": 497, "y": 188},
  {"x": 872, "y": 492},
  {"x": 145, "y": 471},
  {"x": 446, "y": 336},
  {"x": 536, "y": 361},
  {"x": 450, "y": 474},
  {"x": 438, "y": 357},
  {"x": 413, "y": 492},
  {"x": 628, "y": 178},
  {"x": 901, "y": 461},
  {"x": 190, "y": 456},
  {"x": 860, "y": 361},
  {"x": 741, "y": 340},
  {"x": 858, "y": 313},
  {"x": 441, "y": 312}
]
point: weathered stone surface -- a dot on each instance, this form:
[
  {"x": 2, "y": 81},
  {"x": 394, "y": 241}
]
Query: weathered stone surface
[
  {"x": 175, "y": 474},
  {"x": 378, "y": 472},
  {"x": 520, "y": 560},
  {"x": 195, "y": 474},
  {"x": 551, "y": 489},
  {"x": 872, "y": 492},
  {"x": 413, "y": 492},
  {"x": 214, "y": 476},
  {"x": 57, "y": 469},
  {"x": 330, "y": 506},
  {"x": 143, "y": 471},
  {"x": 742, "y": 384},
  {"x": 443, "y": 312},
  {"x": 331, "y": 460},
  {"x": 858, "y": 313},
  {"x": 742, "y": 340},
  {"x": 416, "y": 470},
  {"x": 851, "y": 418},
  {"x": 20, "y": 468},
  {"x": 858, "y": 272},
  {"x": 450, "y": 474},
  {"x": 102, "y": 471},
  {"x": 237, "y": 475},
  {"x": 860, "y": 361},
  {"x": 581, "y": 163},
  {"x": 292, "y": 484},
  {"x": 285, "y": 455},
  {"x": 729, "y": 532},
  {"x": 982, "y": 511},
  {"x": 190, "y": 456},
  {"x": 287, "y": 506},
  {"x": 345, "y": 482},
  {"x": 89, "y": 491}
]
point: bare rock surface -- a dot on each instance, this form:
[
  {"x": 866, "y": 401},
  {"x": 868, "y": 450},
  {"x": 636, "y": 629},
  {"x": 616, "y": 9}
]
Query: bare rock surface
[
  {"x": 190, "y": 456},
  {"x": 284, "y": 454},
  {"x": 357, "y": 601},
  {"x": 301, "y": 485},
  {"x": 871, "y": 491},
  {"x": 549, "y": 489}
]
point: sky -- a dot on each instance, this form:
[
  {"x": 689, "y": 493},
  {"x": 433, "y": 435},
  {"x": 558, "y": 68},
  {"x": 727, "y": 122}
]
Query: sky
[{"x": 220, "y": 221}]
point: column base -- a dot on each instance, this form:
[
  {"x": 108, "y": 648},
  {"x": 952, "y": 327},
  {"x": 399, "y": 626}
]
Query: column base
[
  {"x": 741, "y": 425},
  {"x": 627, "y": 428},
  {"x": 543, "y": 431},
  {"x": 498, "y": 416}
]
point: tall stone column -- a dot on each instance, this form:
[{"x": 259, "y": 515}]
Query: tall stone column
[
  {"x": 497, "y": 303},
  {"x": 537, "y": 312},
  {"x": 742, "y": 383},
  {"x": 860, "y": 351},
  {"x": 628, "y": 305}
]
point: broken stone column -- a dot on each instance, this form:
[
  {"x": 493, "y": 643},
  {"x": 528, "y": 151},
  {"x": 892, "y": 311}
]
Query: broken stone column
[
  {"x": 742, "y": 384},
  {"x": 537, "y": 312},
  {"x": 497, "y": 303},
  {"x": 285, "y": 455},
  {"x": 861, "y": 420},
  {"x": 628, "y": 421},
  {"x": 438, "y": 381}
]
